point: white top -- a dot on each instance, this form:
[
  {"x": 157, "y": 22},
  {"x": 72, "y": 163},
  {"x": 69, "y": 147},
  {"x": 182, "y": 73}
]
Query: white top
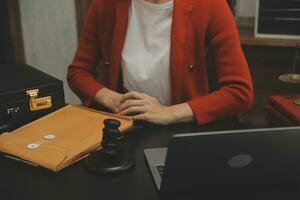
[{"x": 146, "y": 53}]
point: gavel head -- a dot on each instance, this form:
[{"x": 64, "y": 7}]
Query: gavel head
[{"x": 112, "y": 123}]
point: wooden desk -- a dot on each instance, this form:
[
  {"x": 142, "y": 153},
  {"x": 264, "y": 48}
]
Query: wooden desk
[{"x": 21, "y": 182}]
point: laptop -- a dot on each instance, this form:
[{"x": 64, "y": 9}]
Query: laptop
[{"x": 225, "y": 160}]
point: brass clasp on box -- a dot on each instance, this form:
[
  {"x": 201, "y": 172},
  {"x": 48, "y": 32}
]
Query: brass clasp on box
[{"x": 38, "y": 103}]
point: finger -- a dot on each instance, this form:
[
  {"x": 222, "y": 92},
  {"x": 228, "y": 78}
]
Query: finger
[
  {"x": 140, "y": 117},
  {"x": 133, "y": 110},
  {"x": 133, "y": 95},
  {"x": 129, "y": 103}
]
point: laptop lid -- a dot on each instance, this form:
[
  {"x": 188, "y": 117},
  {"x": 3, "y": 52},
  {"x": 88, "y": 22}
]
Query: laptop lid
[{"x": 231, "y": 159}]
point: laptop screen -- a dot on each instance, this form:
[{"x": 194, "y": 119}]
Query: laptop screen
[{"x": 227, "y": 160}]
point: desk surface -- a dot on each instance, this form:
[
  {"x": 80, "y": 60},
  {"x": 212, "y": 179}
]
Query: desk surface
[{"x": 18, "y": 181}]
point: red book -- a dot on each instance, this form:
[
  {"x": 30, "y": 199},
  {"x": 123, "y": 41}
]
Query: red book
[
  {"x": 275, "y": 116},
  {"x": 286, "y": 106},
  {"x": 273, "y": 122}
]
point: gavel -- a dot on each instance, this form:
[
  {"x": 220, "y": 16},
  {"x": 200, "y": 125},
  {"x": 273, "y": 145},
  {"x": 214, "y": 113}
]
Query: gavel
[{"x": 113, "y": 157}]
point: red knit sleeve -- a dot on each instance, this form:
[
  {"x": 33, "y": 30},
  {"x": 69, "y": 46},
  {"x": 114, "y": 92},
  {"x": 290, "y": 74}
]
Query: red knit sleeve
[
  {"x": 82, "y": 71},
  {"x": 236, "y": 91}
]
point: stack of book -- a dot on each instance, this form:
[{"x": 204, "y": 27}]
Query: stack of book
[{"x": 282, "y": 111}]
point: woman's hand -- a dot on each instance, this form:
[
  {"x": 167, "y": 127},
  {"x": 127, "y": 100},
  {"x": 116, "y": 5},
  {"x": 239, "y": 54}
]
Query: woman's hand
[
  {"x": 147, "y": 108},
  {"x": 108, "y": 98}
]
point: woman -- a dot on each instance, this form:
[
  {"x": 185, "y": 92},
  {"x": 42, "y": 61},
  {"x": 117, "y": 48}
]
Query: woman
[{"x": 156, "y": 49}]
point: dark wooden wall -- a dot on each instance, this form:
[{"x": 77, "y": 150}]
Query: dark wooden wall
[
  {"x": 6, "y": 51},
  {"x": 15, "y": 30}
]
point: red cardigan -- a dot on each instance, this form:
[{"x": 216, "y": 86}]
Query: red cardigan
[{"x": 196, "y": 25}]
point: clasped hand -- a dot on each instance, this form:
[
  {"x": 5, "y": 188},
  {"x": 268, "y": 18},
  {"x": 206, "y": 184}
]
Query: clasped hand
[{"x": 144, "y": 107}]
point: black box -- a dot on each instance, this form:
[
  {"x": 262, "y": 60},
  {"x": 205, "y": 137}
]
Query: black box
[{"x": 27, "y": 94}]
